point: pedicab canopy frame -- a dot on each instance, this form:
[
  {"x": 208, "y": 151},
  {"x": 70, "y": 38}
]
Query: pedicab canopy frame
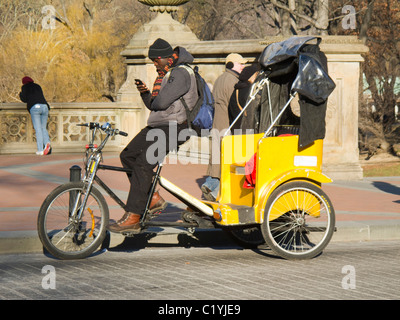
[
  {"x": 312, "y": 80},
  {"x": 300, "y": 56}
]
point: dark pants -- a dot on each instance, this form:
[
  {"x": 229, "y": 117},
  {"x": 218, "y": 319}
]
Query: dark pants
[{"x": 142, "y": 154}]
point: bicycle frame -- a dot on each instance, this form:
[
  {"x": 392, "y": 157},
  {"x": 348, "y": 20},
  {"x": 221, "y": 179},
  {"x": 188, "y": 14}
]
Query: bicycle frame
[
  {"x": 183, "y": 196},
  {"x": 93, "y": 165}
]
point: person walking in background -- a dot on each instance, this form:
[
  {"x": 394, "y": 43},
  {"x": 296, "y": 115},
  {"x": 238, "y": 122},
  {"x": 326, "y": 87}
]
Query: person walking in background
[
  {"x": 239, "y": 98},
  {"x": 222, "y": 91},
  {"x": 32, "y": 94}
]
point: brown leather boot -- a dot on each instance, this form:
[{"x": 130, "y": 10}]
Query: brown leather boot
[
  {"x": 157, "y": 203},
  {"x": 130, "y": 222}
]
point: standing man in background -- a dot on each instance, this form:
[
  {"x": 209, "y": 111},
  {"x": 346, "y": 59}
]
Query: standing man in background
[{"x": 222, "y": 91}]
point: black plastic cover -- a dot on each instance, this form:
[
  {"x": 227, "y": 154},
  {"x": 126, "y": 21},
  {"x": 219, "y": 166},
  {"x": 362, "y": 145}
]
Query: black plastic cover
[
  {"x": 280, "y": 51},
  {"x": 312, "y": 81}
]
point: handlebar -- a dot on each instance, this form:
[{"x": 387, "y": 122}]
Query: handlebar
[{"x": 106, "y": 127}]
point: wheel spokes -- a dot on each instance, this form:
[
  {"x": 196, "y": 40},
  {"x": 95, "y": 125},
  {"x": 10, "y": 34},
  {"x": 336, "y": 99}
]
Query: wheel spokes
[{"x": 298, "y": 220}]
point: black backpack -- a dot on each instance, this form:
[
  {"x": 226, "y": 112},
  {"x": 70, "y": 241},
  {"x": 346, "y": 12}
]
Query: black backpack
[{"x": 202, "y": 115}]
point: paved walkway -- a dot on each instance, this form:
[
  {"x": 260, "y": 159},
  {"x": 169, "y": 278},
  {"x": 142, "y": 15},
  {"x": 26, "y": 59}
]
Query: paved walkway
[{"x": 365, "y": 210}]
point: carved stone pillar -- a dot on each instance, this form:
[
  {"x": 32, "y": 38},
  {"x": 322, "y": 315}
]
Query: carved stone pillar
[{"x": 341, "y": 153}]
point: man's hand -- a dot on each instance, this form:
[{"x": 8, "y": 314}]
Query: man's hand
[{"x": 141, "y": 86}]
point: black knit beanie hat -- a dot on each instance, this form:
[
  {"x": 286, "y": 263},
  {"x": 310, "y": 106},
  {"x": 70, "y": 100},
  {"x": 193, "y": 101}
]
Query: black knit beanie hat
[{"x": 160, "y": 49}]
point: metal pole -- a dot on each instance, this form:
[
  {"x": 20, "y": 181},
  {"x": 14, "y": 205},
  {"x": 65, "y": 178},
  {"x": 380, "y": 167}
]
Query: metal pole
[
  {"x": 75, "y": 173},
  {"x": 74, "y": 176}
]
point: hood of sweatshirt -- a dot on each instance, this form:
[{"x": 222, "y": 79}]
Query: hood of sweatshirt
[{"x": 183, "y": 56}]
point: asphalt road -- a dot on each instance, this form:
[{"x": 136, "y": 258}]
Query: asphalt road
[{"x": 351, "y": 271}]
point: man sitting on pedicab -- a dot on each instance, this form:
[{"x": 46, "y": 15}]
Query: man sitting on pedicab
[{"x": 166, "y": 110}]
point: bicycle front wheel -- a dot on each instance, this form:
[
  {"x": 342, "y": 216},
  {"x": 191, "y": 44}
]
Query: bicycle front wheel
[
  {"x": 64, "y": 236},
  {"x": 299, "y": 220}
]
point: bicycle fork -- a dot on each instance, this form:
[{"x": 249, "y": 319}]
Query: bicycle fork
[{"x": 88, "y": 179}]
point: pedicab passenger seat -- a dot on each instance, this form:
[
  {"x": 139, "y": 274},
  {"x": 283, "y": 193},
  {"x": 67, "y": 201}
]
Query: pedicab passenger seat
[
  {"x": 278, "y": 130},
  {"x": 285, "y": 130}
]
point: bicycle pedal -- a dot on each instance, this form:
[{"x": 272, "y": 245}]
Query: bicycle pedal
[
  {"x": 153, "y": 215},
  {"x": 130, "y": 234}
]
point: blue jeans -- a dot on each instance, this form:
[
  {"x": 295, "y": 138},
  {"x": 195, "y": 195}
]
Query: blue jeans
[
  {"x": 213, "y": 185},
  {"x": 39, "y": 114}
]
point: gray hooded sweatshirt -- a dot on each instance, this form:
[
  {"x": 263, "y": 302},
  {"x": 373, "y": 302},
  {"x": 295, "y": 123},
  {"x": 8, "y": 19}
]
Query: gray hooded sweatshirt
[{"x": 179, "y": 82}]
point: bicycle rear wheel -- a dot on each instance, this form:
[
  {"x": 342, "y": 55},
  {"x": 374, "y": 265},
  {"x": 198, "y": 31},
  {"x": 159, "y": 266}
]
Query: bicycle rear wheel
[
  {"x": 68, "y": 238},
  {"x": 250, "y": 237},
  {"x": 299, "y": 220}
]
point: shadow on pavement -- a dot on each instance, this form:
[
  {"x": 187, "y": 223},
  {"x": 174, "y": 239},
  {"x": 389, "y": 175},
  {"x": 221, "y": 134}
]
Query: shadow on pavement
[
  {"x": 212, "y": 239},
  {"x": 387, "y": 187}
]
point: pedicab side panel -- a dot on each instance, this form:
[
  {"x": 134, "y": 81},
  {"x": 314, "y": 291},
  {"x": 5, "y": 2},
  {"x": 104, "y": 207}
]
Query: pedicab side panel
[
  {"x": 235, "y": 203},
  {"x": 280, "y": 160},
  {"x": 236, "y": 150}
]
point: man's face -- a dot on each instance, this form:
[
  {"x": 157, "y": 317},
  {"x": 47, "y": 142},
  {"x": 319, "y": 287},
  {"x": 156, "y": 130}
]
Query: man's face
[
  {"x": 238, "y": 67},
  {"x": 160, "y": 63}
]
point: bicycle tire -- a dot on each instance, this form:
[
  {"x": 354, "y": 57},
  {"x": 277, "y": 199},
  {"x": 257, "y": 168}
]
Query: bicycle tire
[
  {"x": 299, "y": 220},
  {"x": 63, "y": 238}
]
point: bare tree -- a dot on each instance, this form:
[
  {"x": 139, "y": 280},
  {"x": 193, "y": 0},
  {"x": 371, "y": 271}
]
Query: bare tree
[
  {"x": 14, "y": 13},
  {"x": 311, "y": 14},
  {"x": 78, "y": 58},
  {"x": 214, "y": 19}
]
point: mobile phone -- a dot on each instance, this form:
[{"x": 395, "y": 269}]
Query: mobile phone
[{"x": 138, "y": 82}]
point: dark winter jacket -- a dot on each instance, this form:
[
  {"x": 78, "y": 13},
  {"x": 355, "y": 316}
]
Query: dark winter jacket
[
  {"x": 236, "y": 104},
  {"x": 32, "y": 94}
]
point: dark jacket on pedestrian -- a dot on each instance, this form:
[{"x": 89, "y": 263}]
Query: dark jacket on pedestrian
[
  {"x": 239, "y": 99},
  {"x": 32, "y": 94}
]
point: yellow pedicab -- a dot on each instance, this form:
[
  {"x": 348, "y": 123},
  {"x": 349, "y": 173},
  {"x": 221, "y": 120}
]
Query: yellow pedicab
[{"x": 284, "y": 206}]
